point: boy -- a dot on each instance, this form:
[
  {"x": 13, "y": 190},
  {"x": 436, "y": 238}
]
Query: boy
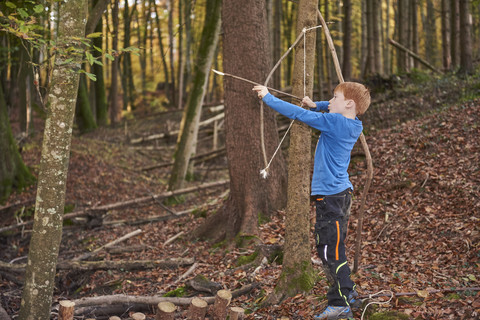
[{"x": 331, "y": 187}]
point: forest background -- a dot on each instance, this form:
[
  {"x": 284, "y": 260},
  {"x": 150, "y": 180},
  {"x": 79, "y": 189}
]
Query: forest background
[{"x": 159, "y": 140}]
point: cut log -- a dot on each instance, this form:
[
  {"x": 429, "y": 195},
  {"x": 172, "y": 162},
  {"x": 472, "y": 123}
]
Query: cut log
[
  {"x": 138, "y": 316},
  {"x": 197, "y": 309},
  {"x": 66, "y": 310},
  {"x": 114, "y": 318},
  {"x": 237, "y": 313},
  {"x": 222, "y": 300},
  {"x": 165, "y": 311}
]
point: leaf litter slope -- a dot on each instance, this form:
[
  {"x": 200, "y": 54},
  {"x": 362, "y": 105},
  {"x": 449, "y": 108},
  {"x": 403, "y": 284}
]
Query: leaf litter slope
[{"x": 421, "y": 228}]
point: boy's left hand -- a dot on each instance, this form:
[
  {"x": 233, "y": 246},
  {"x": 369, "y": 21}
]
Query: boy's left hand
[{"x": 261, "y": 91}]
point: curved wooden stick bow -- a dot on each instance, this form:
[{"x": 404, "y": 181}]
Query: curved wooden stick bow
[{"x": 364, "y": 145}]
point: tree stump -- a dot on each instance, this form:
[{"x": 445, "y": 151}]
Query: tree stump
[
  {"x": 114, "y": 318},
  {"x": 138, "y": 316},
  {"x": 165, "y": 311},
  {"x": 197, "y": 309},
  {"x": 237, "y": 313},
  {"x": 222, "y": 300},
  {"x": 66, "y": 309}
]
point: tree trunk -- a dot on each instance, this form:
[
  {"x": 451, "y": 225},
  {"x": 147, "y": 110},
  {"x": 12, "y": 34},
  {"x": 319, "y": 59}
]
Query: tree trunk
[
  {"x": 49, "y": 208},
  {"x": 431, "y": 35},
  {"x": 402, "y": 22},
  {"x": 447, "y": 58},
  {"x": 347, "y": 39},
  {"x": 127, "y": 78},
  {"x": 84, "y": 115},
  {"x": 246, "y": 54},
  {"x": 162, "y": 52},
  {"x": 186, "y": 146},
  {"x": 466, "y": 62},
  {"x": 376, "y": 36},
  {"x": 14, "y": 174},
  {"x": 113, "y": 101},
  {"x": 101, "y": 106},
  {"x": 171, "y": 50},
  {"x": 455, "y": 32},
  {"x": 297, "y": 273}
]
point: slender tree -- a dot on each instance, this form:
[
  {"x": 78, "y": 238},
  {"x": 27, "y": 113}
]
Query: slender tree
[
  {"x": 297, "y": 272},
  {"x": 446, "y": 54},
  {"x": 101, "y": 106},
  {"x": 112, "y": 99},
  {"x": 466, "y": 62},
  {"x": 186, "y": 146},
  {"x": 13, "y": 172},
  {"x": 347, "y": 39},
  {"x": 49, "y": 207},
  {"x": 455, "y": 32}
]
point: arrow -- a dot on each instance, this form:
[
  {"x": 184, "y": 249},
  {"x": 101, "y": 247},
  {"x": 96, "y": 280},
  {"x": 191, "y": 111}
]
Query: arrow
[{"x": 255, "y": 84}]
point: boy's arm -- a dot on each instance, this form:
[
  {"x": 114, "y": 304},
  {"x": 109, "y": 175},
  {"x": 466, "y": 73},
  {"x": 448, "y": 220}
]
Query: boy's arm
[
  {"x": 315, "y": 106},
  {"x": 315, "y": 120}
]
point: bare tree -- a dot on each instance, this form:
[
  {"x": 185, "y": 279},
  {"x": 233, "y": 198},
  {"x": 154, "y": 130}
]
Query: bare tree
[
  {"x": 49, "y": 207},
  {"x": 186, "y": 146},
  {"x": 466, "y": 62},
  {"x": 447, "y": 57}
]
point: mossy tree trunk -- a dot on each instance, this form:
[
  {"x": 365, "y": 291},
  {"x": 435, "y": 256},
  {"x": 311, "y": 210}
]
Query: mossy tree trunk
[
  {"x": 101, "y": 106},
  {"x": 85, "y": 119},
  {"x": 49, "y": 207},
  {"x": 297, "y": 272},
  {"x": 186, "y": 146},
  {"x": 14, "y": 174}
]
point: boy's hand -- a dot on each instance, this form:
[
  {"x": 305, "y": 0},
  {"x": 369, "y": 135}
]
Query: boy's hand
[
  {"x": 261, "y": 91},
  {"x": 307, "y": 102}
]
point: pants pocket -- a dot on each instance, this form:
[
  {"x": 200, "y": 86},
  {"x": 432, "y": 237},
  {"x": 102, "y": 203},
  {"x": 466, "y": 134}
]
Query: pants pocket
[{"x": 325, "y": 232}]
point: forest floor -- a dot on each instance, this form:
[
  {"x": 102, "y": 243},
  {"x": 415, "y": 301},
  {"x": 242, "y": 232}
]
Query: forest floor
[{"x": 421, "y": 233}]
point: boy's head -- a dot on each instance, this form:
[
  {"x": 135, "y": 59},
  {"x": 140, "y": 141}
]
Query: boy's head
[{"x": 358, "y": 93}]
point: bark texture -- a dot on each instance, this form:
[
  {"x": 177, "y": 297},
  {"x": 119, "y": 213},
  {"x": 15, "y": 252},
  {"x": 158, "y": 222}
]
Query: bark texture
[
  {"x": 49, "y": 207},
  {"x": 186, "y": 146},
  {"x": 297, "y": 272},
  {"x": 246, "y": 54}
]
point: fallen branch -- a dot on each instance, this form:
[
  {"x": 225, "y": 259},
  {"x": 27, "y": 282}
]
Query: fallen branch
[
  {"x": 151, "y": 300},
  {"x": 128, "y": 203},
  {"x": 414, "y": 55},
  {"x": 416, "y": 293},
  {"x": 107, "y": 265},
  {"x": 110, "y": 244}
]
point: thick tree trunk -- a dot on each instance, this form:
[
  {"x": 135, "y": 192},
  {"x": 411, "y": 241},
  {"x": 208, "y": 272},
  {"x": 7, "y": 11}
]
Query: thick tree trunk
[
  {"x": 13, "y": 172},
  {"x": 186, "y": 146},
  {"x": 297, "y": 272},
  {"x": 49, "y": 208},
  {"x": 246, "y": 54}
]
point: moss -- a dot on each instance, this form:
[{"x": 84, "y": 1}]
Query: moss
[
  {"x": 179, "y": 292},
  {"x": 263, "y": 218},
  {"x": 242, "y": 240},
  {"x": 200, "y": 213},
  {"x": 297, "y": 279},
  {"x": 389, "y": 315},
  {"x": 243, "y": 260},
  {"x": 276, "y": 256}
]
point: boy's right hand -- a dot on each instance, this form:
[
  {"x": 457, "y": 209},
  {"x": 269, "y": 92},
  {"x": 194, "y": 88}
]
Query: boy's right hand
[
  {"x": 261, "y": 91},
  {"x": 307, "y": 102}
]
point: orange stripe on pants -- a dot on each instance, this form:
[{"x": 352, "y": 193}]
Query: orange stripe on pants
[{"x": 338, "y": 240}]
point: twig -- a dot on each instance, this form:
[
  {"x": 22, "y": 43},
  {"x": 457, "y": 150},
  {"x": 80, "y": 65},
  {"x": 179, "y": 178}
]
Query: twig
[
  {"x": 108, "y": 245},
  {"x": 187, "y": 273},
  {"x": 406, "y": 294},
  {"x": 170, "y": 240}
]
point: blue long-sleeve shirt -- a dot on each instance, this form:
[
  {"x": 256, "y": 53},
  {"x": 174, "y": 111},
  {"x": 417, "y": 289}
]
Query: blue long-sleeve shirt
[{"x": 332, "y": 155}]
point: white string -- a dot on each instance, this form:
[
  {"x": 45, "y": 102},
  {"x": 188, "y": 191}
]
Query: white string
[
  {"x": 264, "y": 172},
  {"x": 377, "y": 302}
]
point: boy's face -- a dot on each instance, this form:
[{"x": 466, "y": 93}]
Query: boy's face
[{"x": 338, "y": 104}]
